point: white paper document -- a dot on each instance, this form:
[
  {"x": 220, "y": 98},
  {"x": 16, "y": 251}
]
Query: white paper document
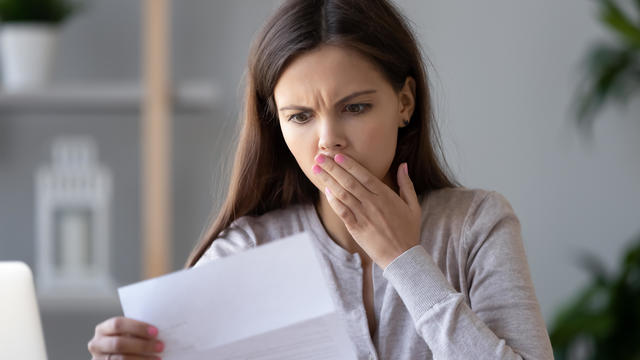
[{"x": 271, "y": 302}]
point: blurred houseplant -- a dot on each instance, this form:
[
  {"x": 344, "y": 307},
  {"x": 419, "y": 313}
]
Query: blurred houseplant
[
  {"x": 612, "y": 68},
  {"x": 28, "y": 35},
  {"x": 603, "y": 320}
]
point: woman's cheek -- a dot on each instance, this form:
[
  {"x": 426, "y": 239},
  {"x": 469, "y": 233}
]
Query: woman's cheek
[
  {"x": 303, "y": 152},
  {"x": 381, "y": 148}
]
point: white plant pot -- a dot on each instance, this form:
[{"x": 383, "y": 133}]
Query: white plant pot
[{"x": 27, "y": 52}]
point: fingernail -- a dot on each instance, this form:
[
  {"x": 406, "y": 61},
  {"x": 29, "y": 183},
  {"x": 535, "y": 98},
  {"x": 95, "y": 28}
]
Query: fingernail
[
  {"x": 327, "y": 191},
  {"x": 159, "y": 347},
  {"x": 339, "y": 158},
  {"x": 152, "y": 331},
  {"x": 317, "y": 169},
  {"x": 319, "y": 158},
  {"x": 406, "y": 169}
]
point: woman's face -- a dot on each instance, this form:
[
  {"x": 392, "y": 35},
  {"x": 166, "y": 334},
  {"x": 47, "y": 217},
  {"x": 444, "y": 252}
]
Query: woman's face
[{"x": 333, "y": 100}]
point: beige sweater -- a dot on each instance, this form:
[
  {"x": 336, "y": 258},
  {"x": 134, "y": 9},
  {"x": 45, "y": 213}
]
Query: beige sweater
[{"x": 464, "y": 293}]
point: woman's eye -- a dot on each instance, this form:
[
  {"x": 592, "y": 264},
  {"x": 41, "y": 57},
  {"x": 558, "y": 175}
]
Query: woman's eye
[
  {"x": 303, "y": 117},
  {"x": 356, "y": 108},
  {"x": 299, "y": 118}
]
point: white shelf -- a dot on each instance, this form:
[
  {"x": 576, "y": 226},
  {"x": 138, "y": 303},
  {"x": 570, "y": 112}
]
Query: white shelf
[
  {"x": 80, "y": 304},
  {"x": 187, "y": 96}
]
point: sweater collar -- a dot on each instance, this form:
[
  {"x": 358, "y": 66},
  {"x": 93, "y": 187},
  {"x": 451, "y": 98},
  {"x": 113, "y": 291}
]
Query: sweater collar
[{"x": 312, "y": 220}]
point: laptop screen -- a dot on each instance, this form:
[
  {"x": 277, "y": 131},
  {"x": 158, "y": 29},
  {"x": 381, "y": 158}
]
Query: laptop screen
[{"x": 21, "y": 334}]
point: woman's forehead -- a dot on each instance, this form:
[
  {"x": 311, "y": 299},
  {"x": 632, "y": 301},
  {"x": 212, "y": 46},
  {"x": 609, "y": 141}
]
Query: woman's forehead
[{"x": 330, "y": 72}]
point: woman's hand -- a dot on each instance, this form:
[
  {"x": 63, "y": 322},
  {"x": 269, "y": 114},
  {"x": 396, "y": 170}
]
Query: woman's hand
[
  {"x": 384, "y": 224},
  {"x": 120, "y": 338}
]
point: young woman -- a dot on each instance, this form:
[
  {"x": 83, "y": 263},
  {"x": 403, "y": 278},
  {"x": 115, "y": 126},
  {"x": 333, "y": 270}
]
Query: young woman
[{"x": 339, "y": 140}]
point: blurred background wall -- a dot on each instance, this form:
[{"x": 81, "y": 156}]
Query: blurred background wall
[{"x": 502, "y": 79}]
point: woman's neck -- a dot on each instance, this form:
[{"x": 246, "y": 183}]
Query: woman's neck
[{"x": 335, "y": 227}]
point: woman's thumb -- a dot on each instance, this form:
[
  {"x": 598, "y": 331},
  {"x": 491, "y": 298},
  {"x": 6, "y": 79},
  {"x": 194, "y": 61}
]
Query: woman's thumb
[{"x": 407, "y": 192}]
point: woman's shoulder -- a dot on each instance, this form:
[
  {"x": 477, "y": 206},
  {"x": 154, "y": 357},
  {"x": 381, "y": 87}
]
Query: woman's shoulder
[
  {"x": 249, "y": 231},
  {"x": 469, "y": 229},
  {"x": 271, "y": 225},
  {"x": 462, "y": 199},
  {"x": 466, "y": 210}
]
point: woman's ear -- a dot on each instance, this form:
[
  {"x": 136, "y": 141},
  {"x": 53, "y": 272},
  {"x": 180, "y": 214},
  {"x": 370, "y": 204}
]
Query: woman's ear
[{"x": 407, "y": 101}]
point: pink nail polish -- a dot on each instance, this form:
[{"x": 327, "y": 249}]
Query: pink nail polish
[
  {"x": 406, "y": 169},
  {"x": 327, "y": 191},
  {"x": 316, "y": 169},
  {"x": 159, "y": 347},
  {"x": 339, "y": 158},
  {"x": 152, "y": 331},
  {"x": 319, "y": 158}
]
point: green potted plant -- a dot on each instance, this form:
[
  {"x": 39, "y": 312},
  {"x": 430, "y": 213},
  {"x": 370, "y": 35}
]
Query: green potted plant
[
  {"x": 612, "y": 67},
  {"x": 28, "y": 35},
  {"x": 603, "y": 320}
]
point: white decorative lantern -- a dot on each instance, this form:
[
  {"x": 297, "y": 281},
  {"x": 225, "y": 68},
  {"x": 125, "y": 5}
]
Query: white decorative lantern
[{"x": 73, "y": 197}]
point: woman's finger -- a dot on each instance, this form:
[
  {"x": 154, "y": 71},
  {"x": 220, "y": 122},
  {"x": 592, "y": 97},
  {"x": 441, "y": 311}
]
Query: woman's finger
[
  {"x": 407, "y": 191},
  {"x": 121, "y": 325},
  {"x": 338, "y": 191},
  {"x": 362, "y": 174},
  {"x": 344, "y": 213},
  {"x": 347, "y": 180},
  {"x": 125, "y": 345},
  {"x": 125, "y": 357}
]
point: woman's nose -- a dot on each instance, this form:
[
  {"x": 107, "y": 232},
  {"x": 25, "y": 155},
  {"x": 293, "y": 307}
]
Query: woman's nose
[{"x": 331, "y": 135}]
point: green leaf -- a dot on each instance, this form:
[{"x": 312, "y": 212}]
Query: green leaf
[
  {"x": 586, "y": 314},
  {"x": 631, "y": 266},
  {"x": 607, "y": 313},
  {"x": 610, "y": 75},
  {"x": 620, "y": 23},
  {"x": 47, "y": 11}
]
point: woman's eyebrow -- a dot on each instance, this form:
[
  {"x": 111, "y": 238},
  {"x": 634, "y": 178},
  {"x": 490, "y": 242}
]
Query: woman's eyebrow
[{"x": 341, "y": 101}]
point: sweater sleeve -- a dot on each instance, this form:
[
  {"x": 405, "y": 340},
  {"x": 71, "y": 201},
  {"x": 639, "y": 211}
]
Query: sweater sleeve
[{"x": 503, "y": 320}]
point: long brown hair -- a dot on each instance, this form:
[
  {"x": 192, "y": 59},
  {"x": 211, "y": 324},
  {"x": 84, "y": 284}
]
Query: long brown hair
[{"x": 265, "y": 175}]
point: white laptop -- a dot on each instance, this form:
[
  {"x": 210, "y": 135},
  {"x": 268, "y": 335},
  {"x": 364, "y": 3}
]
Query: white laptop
[{"x": 21, "y": 334}]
